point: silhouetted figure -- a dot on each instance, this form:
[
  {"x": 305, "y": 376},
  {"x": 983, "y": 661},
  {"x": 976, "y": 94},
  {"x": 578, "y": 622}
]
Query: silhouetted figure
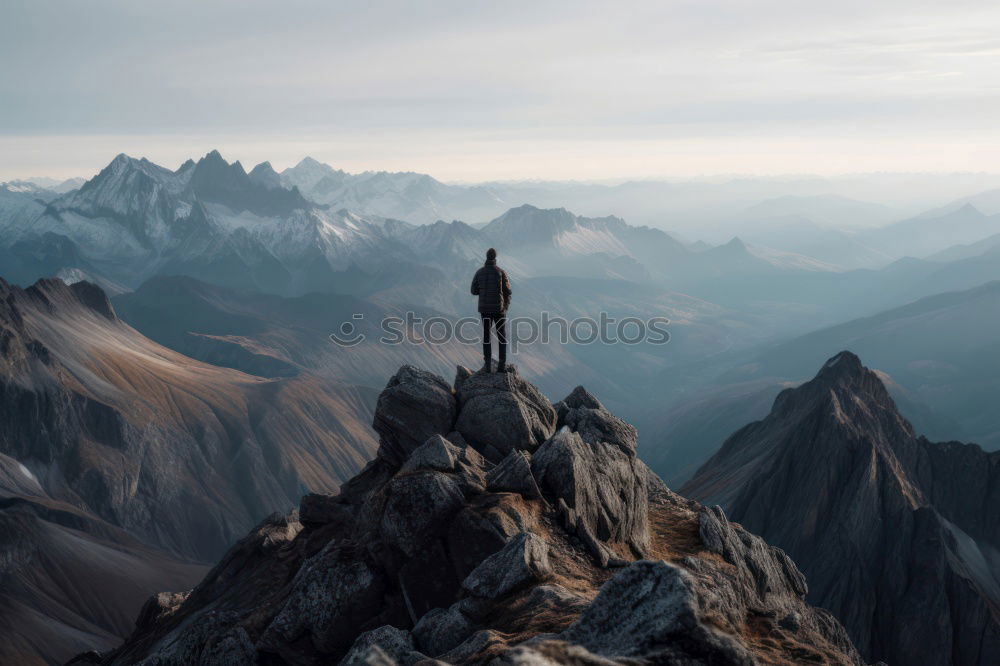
[{"x": 492, "y": 287}]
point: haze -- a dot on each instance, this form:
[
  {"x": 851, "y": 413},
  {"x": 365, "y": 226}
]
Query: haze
[{"x": 518, "y": 90}]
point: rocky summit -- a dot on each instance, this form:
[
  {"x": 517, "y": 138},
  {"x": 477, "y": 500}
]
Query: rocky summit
[{"x": 493, "y": 527}]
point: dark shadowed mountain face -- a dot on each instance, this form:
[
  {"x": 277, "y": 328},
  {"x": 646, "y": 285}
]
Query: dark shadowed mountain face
[
  {"x": 898, "y": 536},
  {"x": 493, "y": 527},
  {"x": 70, "y": 581}
]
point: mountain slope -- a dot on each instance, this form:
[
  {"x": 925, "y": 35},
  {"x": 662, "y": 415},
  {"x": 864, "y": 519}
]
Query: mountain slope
[
  {"x": 71, "y": 581},
  {"x": 181, "y": 454},
  {"x": 925, "y": 235},
  {"x": 898, "y": 536}
]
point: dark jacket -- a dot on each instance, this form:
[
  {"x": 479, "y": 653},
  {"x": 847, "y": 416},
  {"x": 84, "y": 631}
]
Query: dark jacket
[{"x": 493, "y": 288}]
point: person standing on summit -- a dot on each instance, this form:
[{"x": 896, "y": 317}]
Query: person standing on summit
[{"x": 492, "y": 287}]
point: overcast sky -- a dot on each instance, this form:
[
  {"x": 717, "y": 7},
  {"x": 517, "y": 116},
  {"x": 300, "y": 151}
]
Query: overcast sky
[{"x": 504, "y": 90}]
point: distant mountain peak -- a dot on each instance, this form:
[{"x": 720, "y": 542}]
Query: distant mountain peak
[
  {"x": 838, "y": 478},
  {"x": 844, "y": 364},
  {"x": 310, "y": 162},
  {"x": 265, "y": 174}
]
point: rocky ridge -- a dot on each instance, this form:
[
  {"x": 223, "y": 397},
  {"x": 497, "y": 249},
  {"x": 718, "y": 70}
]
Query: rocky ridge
[
  {"x": 898, "y": 536},
  {"x": 493, "y": 526}
]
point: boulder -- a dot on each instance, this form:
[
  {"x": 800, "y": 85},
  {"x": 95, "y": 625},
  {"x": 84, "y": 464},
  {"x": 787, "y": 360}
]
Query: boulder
[
  {"x": 651, "y": 608},
  {"x": 504, "y": 412},
  {"x": 333, "y": 594},
  {"x": 384, "y": 643},
  {"x": 418, "y": 507},
  {"x": 321, "y": 509},
  {"x": 442, "y": 629},
  {"x": 524, "y": 560},
  {"x": 513, "y": 474},
  {"x": 215, "y": 638},
  {"x": 414, "y": 405},
  {"x": 585, "y": 415},
  {"x": 436, "y": 453},
  {"x": 476, "y": 649},
  {"x": 603, "y": 485}
]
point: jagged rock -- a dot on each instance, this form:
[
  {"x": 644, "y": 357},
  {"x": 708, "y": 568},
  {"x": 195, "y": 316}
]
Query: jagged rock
[
  {"x": 214, "y": 639},
  {"x": 605, "y": 487},
  {"x": 331, "y": 596},
  {"x": 321, "y": 509},
  {"x": 525, "y": 559},
  {"x": 581, "y": 398},
  {"x": 476, "y": 648},
  {"x": 503, "y": 411},
  {"x": 419, "y": 506},
  {"x": 549, "y": 607},
  {"x": 478, "y": 532},
  {"x": 436, "y": 453},
  {"x": 461, "y": 374},
  {"x": 414, "y": 405},
  {"x": 387, "y": 644},
  {"x": 713, "y": 528},
  {"x": 585, "y": 415},
  {"x": 644, "y": 610},
  {"x": 442, "y": 629},
  {"x": 428, "y": 547},
  {"x": 513, "y": 474},
  {"x": 158, "y": 607}
]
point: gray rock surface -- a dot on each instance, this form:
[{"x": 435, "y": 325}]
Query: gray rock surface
[
  {"x": 419, "y": 506},
  {"x": 384, "y": 644},
  {"x": 332, "y": 594},
  {"x": 437, "y": 453},
  {"x": 513, "y": 474},
  {"x": 524, "y": 560},
  {"x": 414, "y": 405},
  {"x": 601, "y": 483},
  {"x": 503, "y": 411},
  {"x": 442, "y": 629},
  {"x": 584, "y": 414},
  {"x": 418, "y": 561}
]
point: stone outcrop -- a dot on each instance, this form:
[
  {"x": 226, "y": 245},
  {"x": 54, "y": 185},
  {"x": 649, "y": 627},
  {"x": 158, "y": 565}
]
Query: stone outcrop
[
  {"x": 414, "y": 405},
  {"x": 444, "y": 550},
  {"x": 501, "y": 412},
  {"x": 896, "y": 535}
]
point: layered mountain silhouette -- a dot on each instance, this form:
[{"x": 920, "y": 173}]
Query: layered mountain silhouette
[
  {"x": 493, "y": 527},
  {"x": 898, "y": 536}
]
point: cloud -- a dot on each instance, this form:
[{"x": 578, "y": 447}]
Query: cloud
[{"x": 540, "y": 73}]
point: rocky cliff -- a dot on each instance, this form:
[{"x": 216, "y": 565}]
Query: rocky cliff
[
  {"x": 898, "y": 536},
  {"x": 493, "y": 526}
]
